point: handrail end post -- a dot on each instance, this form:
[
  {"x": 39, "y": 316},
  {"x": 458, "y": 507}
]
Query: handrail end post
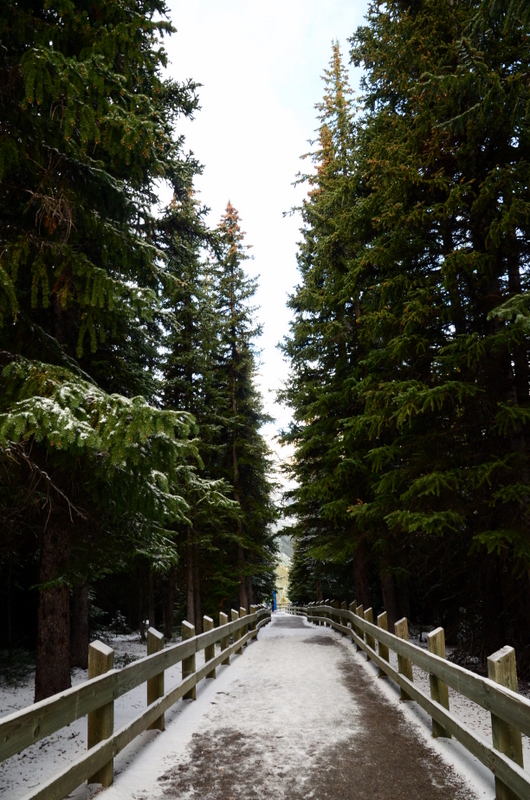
[{"x": 100, "y": 722}]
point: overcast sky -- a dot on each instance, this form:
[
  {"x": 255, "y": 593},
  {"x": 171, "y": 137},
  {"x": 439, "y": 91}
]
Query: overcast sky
[{"x": 260, "y": 66}]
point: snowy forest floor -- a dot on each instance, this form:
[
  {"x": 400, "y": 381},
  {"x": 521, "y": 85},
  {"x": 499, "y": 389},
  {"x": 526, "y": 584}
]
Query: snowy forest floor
[{"x": 300, "y": 714}]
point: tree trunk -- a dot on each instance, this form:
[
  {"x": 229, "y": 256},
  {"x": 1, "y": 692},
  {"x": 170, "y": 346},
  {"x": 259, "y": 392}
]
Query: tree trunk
[
  {"x": 141, "y": 614},
  {"x": 79, "y": 634},
  {"x": 53, "y": 621},
  {"x": 319, "y": 597},
  {"x": 190, "y": 582},
  {"x": 492, "y": 605},
  {"x": 250, "y": 593},
  {"x": 403, "y": 599},
  {"x": 197, "y": 590},
  {"x": 360, "y": 576},
  {"x": 388, "y": 588},
  {"x": 151, "y": 598},
  {"x": 243, "y": 598},
  {"x": 169, "y": 604}
]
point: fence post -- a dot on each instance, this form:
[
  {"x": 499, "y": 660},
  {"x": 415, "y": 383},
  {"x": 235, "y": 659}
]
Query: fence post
[
  {"x": 334, "y": 604},
  {"x": 439, "y": 690},
  {"x": 328, "y": 603},
  {"x": 382, "y": 622},
  {"x": 237, "y": 634},
  {"x": 401, "y": 629},
  {"x": 370, "y": 641},
  {"x": 209, "y": 650},
  {"x": 360, "y": 632},
  {"x": 253, "y": 610},
  {"x": 507, "y": 739},
  {"x": 100, "y": 723},
  {"x": 244, "y": 629},
  {"x": 223, "y": 620},
  {"x": 155, "y": 685},
  {"x": 342, "y": 620},
  {"x": 188, "y": 664},
  {"x": 353, "y": 608}
]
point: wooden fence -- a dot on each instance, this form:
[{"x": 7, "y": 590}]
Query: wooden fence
[
  {"x": 96, "y": 696},
  {"x": 510, "y": 713}
]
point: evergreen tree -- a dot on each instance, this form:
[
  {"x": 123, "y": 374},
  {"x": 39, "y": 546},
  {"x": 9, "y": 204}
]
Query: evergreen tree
[
  {"x": 324, "y": 347},
  {"x": 243, "y": 457},
  {"x": 447, "y": 375},
  {"x": 86, "y": 130},
  {"x": 194, "y": 330},
  {"x": 433, "y": 217},
  {"x": 226, "y": 546}
]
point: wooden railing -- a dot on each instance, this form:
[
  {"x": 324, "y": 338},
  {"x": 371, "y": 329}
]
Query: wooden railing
[
  {"x": 510, "y": 712},
  {"x": 96, "y": 697}
]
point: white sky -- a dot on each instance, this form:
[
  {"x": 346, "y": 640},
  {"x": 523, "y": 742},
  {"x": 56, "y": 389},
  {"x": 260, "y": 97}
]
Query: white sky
[{"x": 260, "y": 66}]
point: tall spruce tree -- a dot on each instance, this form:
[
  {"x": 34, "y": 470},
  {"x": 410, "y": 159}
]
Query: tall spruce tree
[
  {"x": 194, "y": 329},
  {"x": 447, "y": 386},
  {"x": 86, "y": 129},
  {"x": 243, "y": 458},
  {"x": 435, "y": 217},
  {"x": 324, "y": 347}
]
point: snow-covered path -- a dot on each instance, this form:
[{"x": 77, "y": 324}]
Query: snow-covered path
[{"x": 296, "y": 716}]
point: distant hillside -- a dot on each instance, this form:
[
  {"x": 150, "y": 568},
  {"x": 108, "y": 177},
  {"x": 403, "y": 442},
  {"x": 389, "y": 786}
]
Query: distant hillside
[{"x": 286, "y": 545}]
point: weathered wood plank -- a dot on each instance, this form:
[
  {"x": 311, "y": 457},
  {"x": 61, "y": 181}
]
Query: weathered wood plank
[
  {"x": 243, "y": 613},
  {"x": 100, "y": 723},
  {"x": 507, "y": 739},
  {"x": 225, "y": 641},
  {"x": 188, "y": 664},
  {"x": 382, "y": 622},
  {"x": 155, "y": 685},
  {"x": 369, "y": 617},
  {"x": 209, "y": 650},
  {"x": 237, "y": 631},
  {"x": 439, "y": 690}
]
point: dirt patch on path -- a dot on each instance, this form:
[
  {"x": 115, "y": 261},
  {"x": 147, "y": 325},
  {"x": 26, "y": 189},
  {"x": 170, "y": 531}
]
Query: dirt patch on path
[
  {"x": 388, "y": 761},
  {"x": 348, "y": 743}
]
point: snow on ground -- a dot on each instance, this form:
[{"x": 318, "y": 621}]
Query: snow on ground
[
  {"x": 470, "y": 714},
  {"x": 282, "y": 711},
  {"x": 278, "y": 709},
  {"x": 30, "y": 768}
]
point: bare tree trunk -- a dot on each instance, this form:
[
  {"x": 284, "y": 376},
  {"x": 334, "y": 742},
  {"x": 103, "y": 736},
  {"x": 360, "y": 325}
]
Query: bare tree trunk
[
  {"x": 243, "y": 598},
  {"x": 197, "y": 590},
  {"x": 141, "y": 610},
  {"x": 388, "y": 588},
  {"x": 250, "y": 593},
  {"x": 403, "y": 599},
  {"x": 360, "y": 576},
  {"x": 151, "y": 598},
  {"x": 319, "y": 597},
  {"x": 190, "y": 582},
  {"x": 79, "y": 633},
  {"x": 169, "y": 604},
  {"x": 53, "y": 627}
]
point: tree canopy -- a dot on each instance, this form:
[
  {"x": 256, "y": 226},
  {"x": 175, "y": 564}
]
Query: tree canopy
[
  {"x": 109, "y": 330},
  {"x": 409, "y": 344}
]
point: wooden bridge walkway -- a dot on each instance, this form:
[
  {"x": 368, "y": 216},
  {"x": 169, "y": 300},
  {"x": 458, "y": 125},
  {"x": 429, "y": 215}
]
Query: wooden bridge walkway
[{"x": 295, "y": 717}]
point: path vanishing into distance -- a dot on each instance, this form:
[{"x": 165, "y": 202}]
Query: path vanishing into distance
[{"x": 296, "y": 716}]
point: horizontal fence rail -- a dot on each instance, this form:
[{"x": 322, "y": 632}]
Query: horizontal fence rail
[
  {"x": 510, "y": 711},
  {"x": 96, "y": 696}
]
